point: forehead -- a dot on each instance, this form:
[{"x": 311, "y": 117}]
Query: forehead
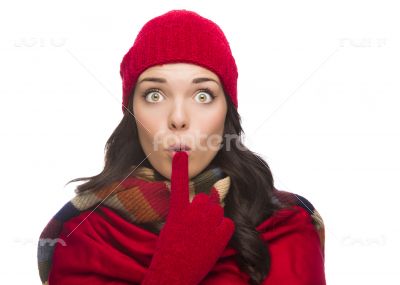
[{"x": 188, "y": 70}]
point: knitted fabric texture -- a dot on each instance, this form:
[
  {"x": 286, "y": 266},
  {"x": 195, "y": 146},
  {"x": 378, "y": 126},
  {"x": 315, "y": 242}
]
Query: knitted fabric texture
[
  {"x": 142, "y": 198},
  {"x": 291, "y": 199},
  {"x": 180, "y": 36},
  {"x": 107, "y": 249}
]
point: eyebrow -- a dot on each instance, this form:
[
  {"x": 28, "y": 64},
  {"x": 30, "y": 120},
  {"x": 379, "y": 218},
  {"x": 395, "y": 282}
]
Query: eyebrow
[{"x": 162, "y": 80}]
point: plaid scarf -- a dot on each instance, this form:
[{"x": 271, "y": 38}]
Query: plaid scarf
[{"x": 142, "y": 198}]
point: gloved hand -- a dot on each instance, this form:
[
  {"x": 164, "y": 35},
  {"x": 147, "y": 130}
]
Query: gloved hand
[{"x": 194, "y": 234}]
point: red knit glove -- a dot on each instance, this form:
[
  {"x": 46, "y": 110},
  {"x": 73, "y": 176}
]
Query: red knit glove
[{"x": 194, "y": 235}]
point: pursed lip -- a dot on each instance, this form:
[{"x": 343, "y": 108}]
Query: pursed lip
[
  {"x": 179, "y": 147},
  {"x": 174, "y": 148},
  {"x": 172, "y": 152}
]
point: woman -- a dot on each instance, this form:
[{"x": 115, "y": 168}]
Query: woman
[{"x": 180, "y": 199}]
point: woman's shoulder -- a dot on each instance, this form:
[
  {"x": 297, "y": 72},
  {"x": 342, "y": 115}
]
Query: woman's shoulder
[
  {"x": 297, "y": 214},
  {"x": 293, "y": 199},
  {"x": 294, "y": 235}
]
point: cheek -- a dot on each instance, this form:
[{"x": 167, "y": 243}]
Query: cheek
[
  {"x": 147, "y": 128},
  {"x": 209, "y": 142},
  {"x": 211, "y": 129}
]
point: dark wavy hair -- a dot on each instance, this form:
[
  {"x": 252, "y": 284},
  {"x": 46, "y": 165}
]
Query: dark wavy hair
[{"x": 248, "y": 202}]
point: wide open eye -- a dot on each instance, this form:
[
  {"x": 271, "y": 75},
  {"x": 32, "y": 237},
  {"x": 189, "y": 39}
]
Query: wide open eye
[
  {"x": 205, "y": 96},
  {"x": 152, "y": 95}
]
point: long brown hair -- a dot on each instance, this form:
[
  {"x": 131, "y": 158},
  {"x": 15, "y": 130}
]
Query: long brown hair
[{"x": 248, "y": 202}]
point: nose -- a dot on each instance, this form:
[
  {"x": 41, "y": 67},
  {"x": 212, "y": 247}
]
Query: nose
[{"x": 178, "y": 119}]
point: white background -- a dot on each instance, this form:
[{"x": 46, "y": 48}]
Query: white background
[{"x": 318, "y": 95}]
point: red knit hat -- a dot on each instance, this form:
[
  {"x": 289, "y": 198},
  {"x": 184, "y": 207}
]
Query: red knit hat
[{"x": 180, "y": 36}]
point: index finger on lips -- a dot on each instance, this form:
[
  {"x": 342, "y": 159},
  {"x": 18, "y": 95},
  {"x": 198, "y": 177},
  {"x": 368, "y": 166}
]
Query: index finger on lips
[{"x": 179, "y": 197}]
